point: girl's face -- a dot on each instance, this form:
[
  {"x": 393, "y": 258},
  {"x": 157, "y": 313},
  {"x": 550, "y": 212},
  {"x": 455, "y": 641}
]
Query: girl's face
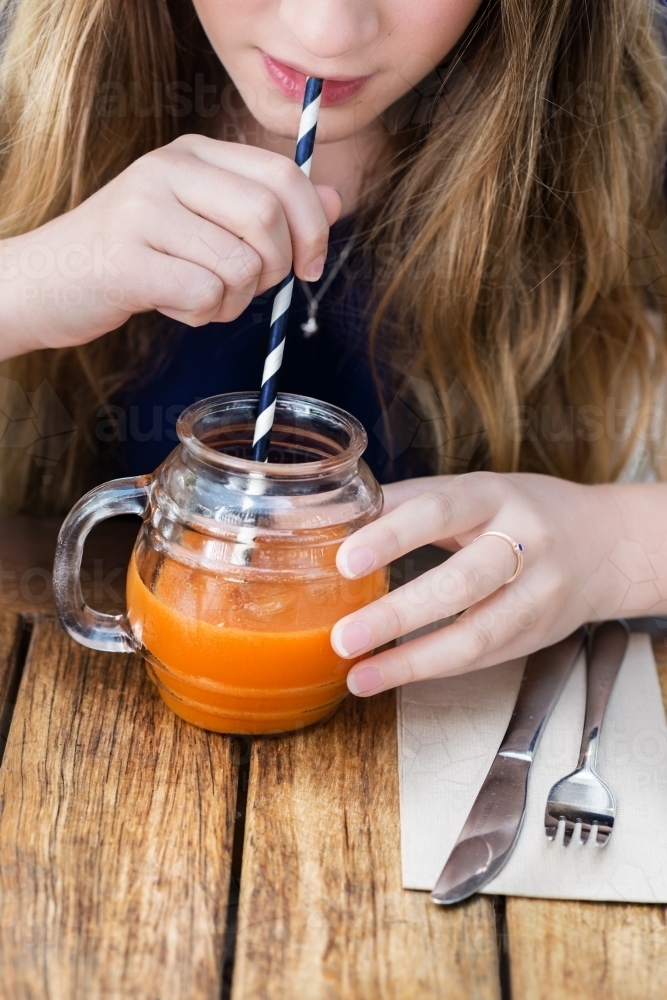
[{"x": 369, "y": 52}]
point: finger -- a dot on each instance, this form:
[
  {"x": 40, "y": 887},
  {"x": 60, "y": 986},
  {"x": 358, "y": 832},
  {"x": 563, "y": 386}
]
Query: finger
[
  {"x": 302, "y": 206},
  {"x": 397, "y": 493},
  {"x": 247, "y": 210},
  {"x": 181, "y": 233},
  {"x": 465, "y": 579},
  {"x": 449, "y": 509},
  {"x": 500, "y": 628},
  {"x": 177, "y": 288}
]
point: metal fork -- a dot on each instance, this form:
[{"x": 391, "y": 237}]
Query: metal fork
[{"x": 583, "y": 797}]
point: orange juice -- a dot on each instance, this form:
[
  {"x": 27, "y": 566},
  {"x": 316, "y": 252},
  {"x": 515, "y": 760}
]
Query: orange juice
[{"x": 236, "y": 656}]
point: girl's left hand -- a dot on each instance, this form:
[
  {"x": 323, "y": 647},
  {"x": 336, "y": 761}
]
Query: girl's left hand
[{"x": 567, "y": 532}]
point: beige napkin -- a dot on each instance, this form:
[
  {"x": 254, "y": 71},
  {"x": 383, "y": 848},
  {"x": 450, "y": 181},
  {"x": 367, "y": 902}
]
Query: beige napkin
[{"x": 449, "y": 731}]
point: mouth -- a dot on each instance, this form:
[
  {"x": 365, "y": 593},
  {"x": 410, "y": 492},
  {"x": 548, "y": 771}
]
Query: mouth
[{"x": 291, "y": 83}]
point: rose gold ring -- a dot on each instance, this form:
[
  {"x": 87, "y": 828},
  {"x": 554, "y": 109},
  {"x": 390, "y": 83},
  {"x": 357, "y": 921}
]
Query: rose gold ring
[{"x": 517, "y": 548}]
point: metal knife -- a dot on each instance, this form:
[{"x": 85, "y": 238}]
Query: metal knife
[{"x": 494, "y": 822}]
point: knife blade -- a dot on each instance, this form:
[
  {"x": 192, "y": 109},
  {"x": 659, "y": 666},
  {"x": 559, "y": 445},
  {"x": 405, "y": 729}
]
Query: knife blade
[{"x": 492, "y": 828}]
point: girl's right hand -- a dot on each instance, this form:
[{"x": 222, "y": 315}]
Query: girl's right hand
[{"x": 195, "y": 230}]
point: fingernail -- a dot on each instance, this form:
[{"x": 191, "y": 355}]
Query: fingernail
[
  {"x": 356, "y": 561},
  {"x": 314, "y": 270},
  {"x": 351, "y": 639},
  {"x": 364, "y": 680}
]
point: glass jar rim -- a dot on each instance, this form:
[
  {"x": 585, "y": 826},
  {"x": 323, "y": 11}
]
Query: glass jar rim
[{"x": 286, "y": 402}]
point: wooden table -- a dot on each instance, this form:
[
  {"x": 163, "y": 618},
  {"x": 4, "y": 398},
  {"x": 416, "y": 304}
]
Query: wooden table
[{"x": 141, "y": 857}]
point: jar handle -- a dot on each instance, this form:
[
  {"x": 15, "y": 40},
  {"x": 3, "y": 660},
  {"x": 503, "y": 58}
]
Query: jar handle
[{"x": 109, "y": 633}]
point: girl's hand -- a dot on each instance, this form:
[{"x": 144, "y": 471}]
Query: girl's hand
[
  {"x": 195, "y": 230},
  {"x": 567, "y": 531}
]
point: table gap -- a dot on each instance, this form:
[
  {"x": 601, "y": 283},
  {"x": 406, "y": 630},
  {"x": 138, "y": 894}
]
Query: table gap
[
  {"x": 7, "y": 710},
  {"x": 243, "y": 747},
  {"x": 502, "y": 942}
]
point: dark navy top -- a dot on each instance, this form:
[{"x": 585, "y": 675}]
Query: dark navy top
[{"x": 332, "y": 365}]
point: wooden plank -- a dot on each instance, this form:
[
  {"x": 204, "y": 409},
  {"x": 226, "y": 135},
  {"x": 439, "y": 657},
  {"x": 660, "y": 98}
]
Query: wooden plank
[
  {"x": 11, "y": 629},
  {"x": 660, "y": 653},
  {"x": 322, "y": 913},
  {"x": 116, "y": 824},
  {"x": 561, "y": 950},
  {"x": 27, "y": 547}
]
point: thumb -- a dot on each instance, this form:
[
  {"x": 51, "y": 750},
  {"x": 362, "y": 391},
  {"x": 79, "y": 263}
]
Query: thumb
[{"x": 332, "y": 201}]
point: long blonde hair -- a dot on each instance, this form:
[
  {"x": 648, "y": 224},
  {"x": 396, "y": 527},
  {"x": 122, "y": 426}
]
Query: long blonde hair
[{"x": 522, "y": 214}]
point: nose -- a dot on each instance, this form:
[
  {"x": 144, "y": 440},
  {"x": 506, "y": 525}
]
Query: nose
[{"x": 330, "y": 28}]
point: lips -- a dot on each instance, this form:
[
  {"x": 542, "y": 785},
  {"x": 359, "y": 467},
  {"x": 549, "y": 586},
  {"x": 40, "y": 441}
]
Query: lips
[{"x": 291, "y": 83}]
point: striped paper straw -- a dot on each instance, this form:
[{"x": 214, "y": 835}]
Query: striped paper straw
[{"x": 281, "y": 303}]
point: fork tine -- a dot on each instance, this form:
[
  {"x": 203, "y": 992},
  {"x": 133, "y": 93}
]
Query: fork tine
[
  {"x": 550, "y": 825},
  {"x": 593, "y": 832},
  {"x": 585, "y": 832},
  {"x": 568, "y": 831},
  {"x": 561, "y": 831},
  {"x": 603, "y": 835}
]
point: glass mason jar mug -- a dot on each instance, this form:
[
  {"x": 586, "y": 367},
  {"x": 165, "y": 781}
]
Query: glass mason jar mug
[{"x": 232, "y": 588}]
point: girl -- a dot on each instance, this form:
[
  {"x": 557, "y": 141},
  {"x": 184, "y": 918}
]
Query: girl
[{"x": 489, "y": 303}]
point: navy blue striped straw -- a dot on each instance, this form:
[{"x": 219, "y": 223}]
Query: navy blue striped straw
[{"x": 281, "y": 303}]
